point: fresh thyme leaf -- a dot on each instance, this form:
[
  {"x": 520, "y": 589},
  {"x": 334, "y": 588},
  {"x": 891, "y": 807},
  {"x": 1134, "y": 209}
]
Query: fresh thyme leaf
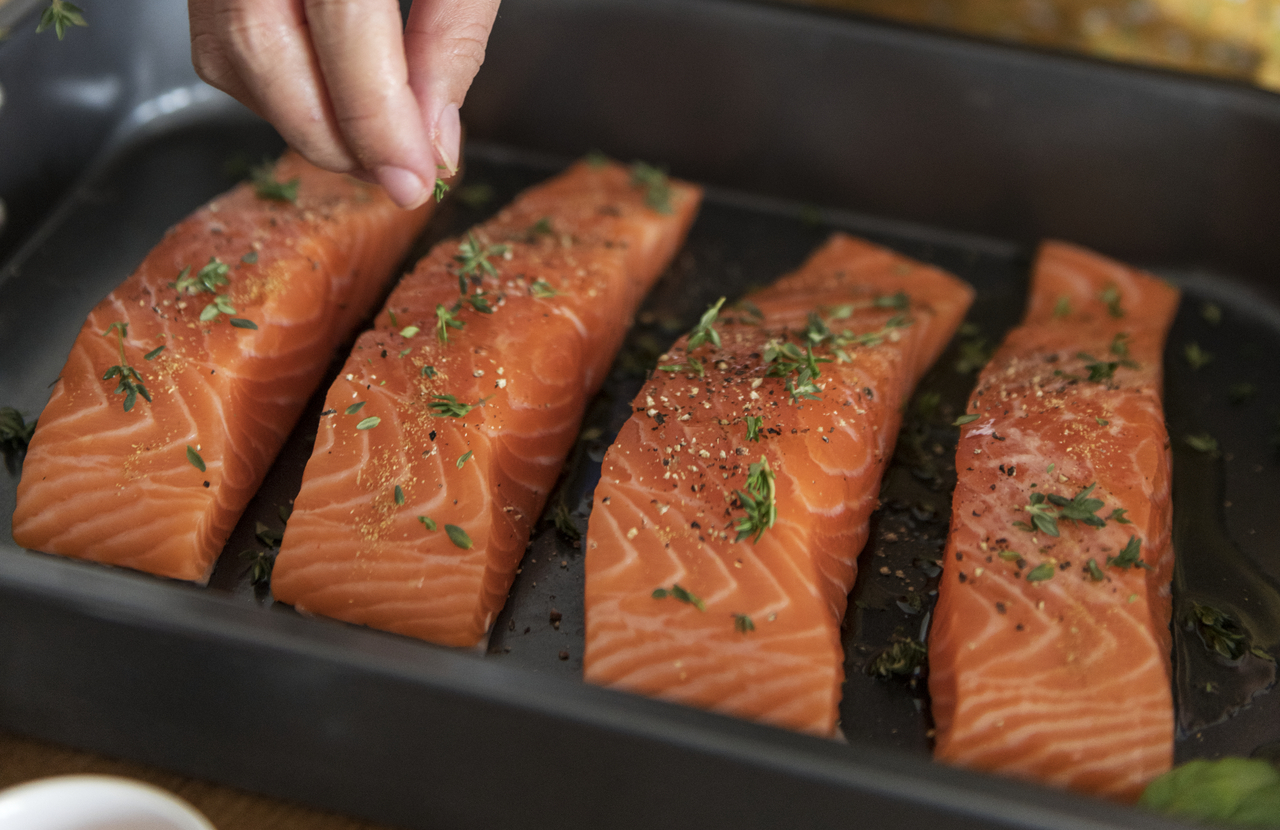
[
  {"x": 446, "y": 320},
  {"x": 901, "y": 301},
  {"x": 1128, "y": 556},
  {"x": 1196, "y": 356},
  {"x": 1102, "y": 422},
  {"x": 427, "y": 372},
  {"x": 759, "y": 501},
  {"x": 705, "y": 331},
  {"x": 1211, "y": 313},
  {"x": 355, "y": 407},
  {"x": 60, "y": 14},
  {"x": 657, "y": 194},
  {"x": 542, "y": 290},
  {"x": 816, "y": 332},
  {"x": 678, "y": 592},
  {"x": 249, "y": 258},
  {"x": 1111, "y": 296},
  {"x": 754, "y": 423},
  {"x": 1099, "y": 371},
  {"x": 563, "y": 520},
  {"x": 1062, "y": 308},
  {"x": 399, "y": 496},
  {"x": 479, "y": 302},
  {"x": 450, "y": 407},
  {"x": 206, "y": 280},
  {"x": 1117, "y": 516},
  {"x": 395, "y": 324},
  {"x": 751, "y": 310},
  {"x": 1219, "y": 631},
  {"x": 195, "y": 459},
  {"x": 1095, "y": 573},
  {"x": 464, "y": 458},
  {"x": 475, "y": 195},
  {"x": 427, "y": 522},
  {"x": 130, "y": 381},
  {"x": 1241, "y": 393},
  {"x": 220, "y": 305},
  {"x": 369, "y": 423},
  {"x": 965, "y": 419},
  {"x": 1120, "y": 345},
  {"x": 242, "y": 323},
  {"x": 1041, "y": 572},
  {"x": 1010, "y": 555},
  {"x": 15, "y": 433},
  {"x": 473, "y": 260},
  {"x": 540, "y": 228},
  {"x": 743, "y": 624},
  {"x": 902, "y": 658},
  {"x": 265, "y": 185},
  {"x": 409, "y": 331},
  {"x": 1204, "y": 442},
  {"x": 151, "y": 355},
  {"x": 1043, "y": 517},
  {"x": 1081, "y": 508},
  {"x": 267, "y": 535},
  {"x": 440, "y": 188},
  {"x": 261, "y": 563},
  {"x": 458, "y": 536}
]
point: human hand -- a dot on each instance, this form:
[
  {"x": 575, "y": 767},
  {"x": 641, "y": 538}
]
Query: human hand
[{"x": 344, "y": 85}]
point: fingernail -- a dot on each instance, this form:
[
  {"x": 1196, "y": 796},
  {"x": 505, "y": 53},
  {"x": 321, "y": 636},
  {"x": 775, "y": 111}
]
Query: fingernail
[
  {"x": 447, "y": 137},
  {"x": 404, "y": 187}
]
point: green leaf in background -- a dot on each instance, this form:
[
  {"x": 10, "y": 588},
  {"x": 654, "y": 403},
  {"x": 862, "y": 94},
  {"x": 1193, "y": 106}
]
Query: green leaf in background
[{"x": 1237, "y": 792}]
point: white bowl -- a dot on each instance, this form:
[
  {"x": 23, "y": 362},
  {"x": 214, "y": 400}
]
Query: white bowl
[{"x": 95, "y": 802}]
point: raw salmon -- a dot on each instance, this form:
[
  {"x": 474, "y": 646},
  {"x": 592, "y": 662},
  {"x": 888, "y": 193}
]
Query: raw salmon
[
  {"x": 184, "y": 382},
  {"x": 1049, "y": 652},
  {"x": 451, "y": 419},
  {"x": 726, "y": 527}
]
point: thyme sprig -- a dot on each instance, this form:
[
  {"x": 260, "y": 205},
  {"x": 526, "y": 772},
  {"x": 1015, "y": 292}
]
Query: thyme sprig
[
  {"x": 759, "y": 501},
  {"x": 473, "y": 260},
  {"x": 705, "y": 331},
  {"x": 677, "y": 592},
  {"x": 692, "y": 365},
  {"x": 1045, "y": 510},
  {"x": 130, "y": 380},
  {"x": 60, "y": 14},
  {"x": 657, "y": 188},
  {"x": 265, "y": 185},
  {"x": 15, "y": 433},
  {"x": 445, "y": 320},
  {"x": 1128, "y": 556},
  {"x": 450, "y": 407}
]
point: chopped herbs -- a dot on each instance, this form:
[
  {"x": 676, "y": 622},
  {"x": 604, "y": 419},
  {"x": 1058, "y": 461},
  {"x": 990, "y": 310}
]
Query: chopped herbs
[
  {"x": 195, "y": 459},
  {"x": 903, "y": 658},
  {"x": 657, "y": 189},
  {"x": 399, "y": 496},
  {"x": 705, "y": 332},
  {"x": 965, "y": 419},
  {"x": 1211, "y": 313},
  {"x": 974, "y": 354},
  {"x": 448, "y": 406},
  {"x": 369, "y": 423},
  {"x": 563, "y": 521},
  {"x": 759, "y": 500},
  {"x": 441, "y": 187},
  {"x": 266, "y": 186},
  {"x": 221, "y": 305},
  {"x": 15, "y": 433},
  {"x": 1091, "y": 568},
  {"x": 1041, "y": 572},
  {"x": 427, "y": 522},
  {"x": 60, "y": 14},
  {"x": 458, "y": 536},
  {"x": 1111, "y": 297},
  {"x": 1062, "y": 308},
  {"x": 743, "y": 624},
  {"x": 130, "y": 383},
  {"x": 678, "y": 593},
  {"x": 1120, "y": 345},
  {"x": 784, "y": 359},
  {"x": 354, "y": 408},
  {"x": 409, "y": 331},
  {"x": 260, "y": 564},
  {"x": 466, "y": 456},
  {"x": 693, "y": 366},
  {"x": 427, "y": 372},
  {"x": 1197, "y": 357},
  {"x": 154, "y": 353},
  {"x": 1219, "y": 631},
  {"x": 542, "y": 290},
  {"x": 1128, "y": 556},
  {"x": 1204, "y": 442},
  {"x": 1117, "y": 516},
  {"x": 1043, "y": 517},
  {"x": 473, "y": 260},
  {"x": 267, "y": 535},
  {"x": 1081, "y": 508},
  {"x": 206, "y": 280},
  {"x": 1102, "y": 371},
  {"x": 754, "y": 423},
  {"x": 446, "y": 320},
  {"x": 478, "y": 301}
]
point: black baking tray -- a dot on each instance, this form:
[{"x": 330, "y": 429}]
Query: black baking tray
[{"x": 953, "y": 151}]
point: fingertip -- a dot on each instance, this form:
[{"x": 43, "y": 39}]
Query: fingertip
[
  {"x": 446, "y": 138},
  {"x": 404, "y": 187}
]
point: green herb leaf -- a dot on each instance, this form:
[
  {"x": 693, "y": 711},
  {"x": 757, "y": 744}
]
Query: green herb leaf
[
  {"x": 399, "y": 496},
  {"x": 354, "y": 408},
  {"x": 15, "y": 433},
  {"x": 540, "y": 228},
  {"x": 542, "y": 290},
  {"x": 1237, "y": 791},
  {"x": 1120, "y": 345},
  {"x": 449, "y": 406},
  {"x": 903, "y": 658},
  {"x": 1043, "y": 517},
  {"x": 679, "y": 593},
  {"x": 965, "y": 419},
  {"x": 1196, "y": 356},
  {"x": 1095, "y": 573},
  {"x": 657, "y": 189},
  {"x": 473, "y": 260},
  {"x": 130, "y": 381},
  {"x": 249, "y": 258},
  {"x": 1211, "y": 313},
  {"x": 195, "y": 459},
  {"x": 1128, "y": 556},
  {"x": 1117, "y": 516},
  {"x": 151, "y": 355},
  {"x": 759, "y": 501},
  {"x": 1219, "y": 631},
  {"x": 1041, "y": 572},
  {"x": 441, "y": 187},
  {"x": 743, "y": 624},
  {"x": 427, "y": 522},
  {"x": 265, "y": 185},
  {"x": 974, "y": 354},
  {"x": 1204, "y": 442},
  {"x": 241, "y": 323},
  {"x": 753, "y": 427},
  {"x": 1062, "y": 308},
  {"x": 1081, "y": 508},
  {"x": 60, "y": 14},
  {"x": 458, "y": 536},
  {"x": 369, "y": 423},
  {"x": 464, "y": 458},
  {"x": 563, "y": 521},
  {"x": 409, "y": 331},
  {"x": 446, "y": 320},
  {"x": 705, "y": 331},
  {"x": 1111, "y": 296}
]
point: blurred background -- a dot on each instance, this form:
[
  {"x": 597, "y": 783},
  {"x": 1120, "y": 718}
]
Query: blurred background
[{"x": 1236, "y": 39}]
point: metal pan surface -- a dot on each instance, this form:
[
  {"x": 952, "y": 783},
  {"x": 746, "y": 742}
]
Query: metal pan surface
[{"x": 760, "y": 103}]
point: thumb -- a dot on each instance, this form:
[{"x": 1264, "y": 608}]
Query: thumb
[{"x": 444, "y": 45}]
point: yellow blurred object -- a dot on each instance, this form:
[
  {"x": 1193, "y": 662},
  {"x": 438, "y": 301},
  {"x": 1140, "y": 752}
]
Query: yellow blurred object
[{"x": 1238, "y": 39}]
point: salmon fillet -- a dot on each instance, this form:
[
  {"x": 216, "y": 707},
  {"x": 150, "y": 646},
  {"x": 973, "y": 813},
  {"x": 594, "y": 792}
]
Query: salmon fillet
[
  {"x": 184, "y": 382},
  {"x": 717, "y": 581},
  {"x": 449, "y": 424},
  {"x": 1049, "y": 655}
]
